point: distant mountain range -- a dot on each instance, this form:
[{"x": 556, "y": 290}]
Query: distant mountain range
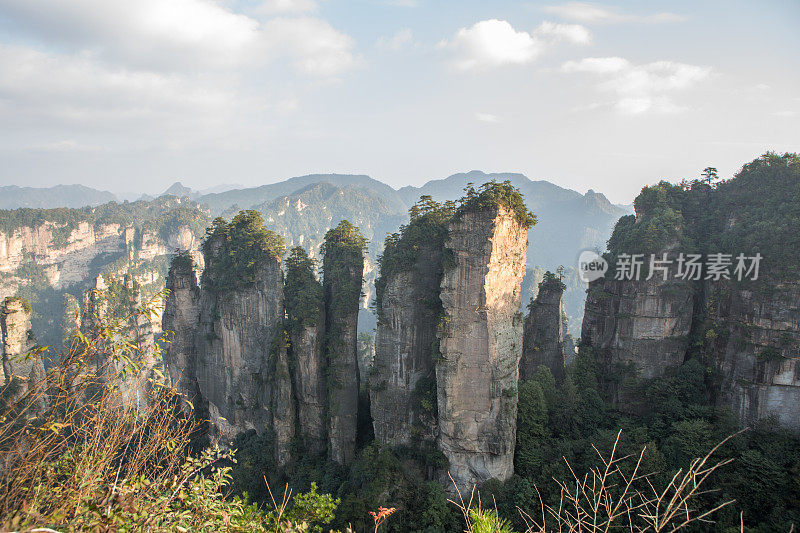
[
  {"x": 303, "y": 208},
  {"x": 13, "y": 197}
]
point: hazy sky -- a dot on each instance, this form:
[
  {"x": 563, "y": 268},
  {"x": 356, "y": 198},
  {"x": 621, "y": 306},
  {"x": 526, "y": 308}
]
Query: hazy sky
[{"x": 131, "y": 95}]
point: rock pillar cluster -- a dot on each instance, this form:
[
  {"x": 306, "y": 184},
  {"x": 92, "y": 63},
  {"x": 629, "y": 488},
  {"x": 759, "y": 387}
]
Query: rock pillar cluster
[{"x": 254, "y": 353}]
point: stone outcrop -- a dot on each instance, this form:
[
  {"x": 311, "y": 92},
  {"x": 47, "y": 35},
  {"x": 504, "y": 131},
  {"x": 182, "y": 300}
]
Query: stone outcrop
[
  {"x": 543, "y": 340},
  {"x": 18, "y": 340},
  {"x": 481, "y": 345},
  {"x": 740, "y": 322},
  {"x": 403, "y": 373},
  {"x": 241, "y": 355},
  {"x": 305, "y": 324},
  {"x": 758, "y": 356},
  {"x": 644, "y": 324},
  {"x": 343, "y": 275},
  {"x": 180, "y": 323}
]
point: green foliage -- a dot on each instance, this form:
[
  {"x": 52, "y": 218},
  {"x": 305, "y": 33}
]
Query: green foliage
[
  {"x": 492, "y": 196},
  {"x": 235, "y": 251},
  {"x": 302, "y": 291},
  {"x": 343, "y": 268},
  {"x": 488, "y": 521},
  {"x": 756, "y": 211},
  {"x": 426, "y": 231},
  {"x": 182, "y": 263}
]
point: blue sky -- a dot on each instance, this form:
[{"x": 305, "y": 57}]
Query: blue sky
[{"x": 133, "y": 95}]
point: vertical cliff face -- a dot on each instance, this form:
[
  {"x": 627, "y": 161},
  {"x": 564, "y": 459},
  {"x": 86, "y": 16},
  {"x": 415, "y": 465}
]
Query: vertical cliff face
[
  {"x": 644, "y": 324},
  {"x": 343, "y": 269},
  {"x": 757, "y": 338},
  {"x": 481, "y": 344},
  {"x": 305, "y": 317},
  {"x": 741, "y": 323},
  {"x": 180, "y": 323},
  {"x": 403, "y": 379},
  {"x": 17, "y": 337},
  {"x": 229, "y": 347},
  {"x": 543, "y": 340}
]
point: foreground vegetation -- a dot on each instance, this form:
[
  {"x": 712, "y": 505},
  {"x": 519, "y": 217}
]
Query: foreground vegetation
[{"x": 80, "y": 453}]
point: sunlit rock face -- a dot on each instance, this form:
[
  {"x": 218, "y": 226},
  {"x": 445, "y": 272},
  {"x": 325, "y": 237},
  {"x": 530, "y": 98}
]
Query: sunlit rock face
[{"x": 481, "y": 345}]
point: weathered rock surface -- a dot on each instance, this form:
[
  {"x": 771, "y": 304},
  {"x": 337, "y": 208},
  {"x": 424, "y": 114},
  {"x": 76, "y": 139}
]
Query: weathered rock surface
[
  {"x": 341, "y": 275},
  {"x": 481, "y": 345},
  {"x": 758, "y": 355},
  {"x": 543, "y": 341},
  {"x": 307, "y": 348},
  {"x": 404, "y": 368},
  {"x": 180, "y": 323},
  {"x": 18, "y": 340},
  {"x": 644, "y": 323}
]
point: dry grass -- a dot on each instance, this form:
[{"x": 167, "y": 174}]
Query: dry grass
[
  {"x": 68, "y": 440},
  {"x": 616, "y": 495}
]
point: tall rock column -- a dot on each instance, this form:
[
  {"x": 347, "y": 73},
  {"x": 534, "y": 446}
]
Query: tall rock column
[
  {"x": 17, "y": 337},
  {"x": 543, "y": 341},
  {"x": 305, "y": 317},
  {"x": 242, "y": 366},
  {"x": 403, "y": 376},
  {"x": 180, "y": 320},
  {"x": 481, "y": 340},
  {"x": 343, "y": 272}
]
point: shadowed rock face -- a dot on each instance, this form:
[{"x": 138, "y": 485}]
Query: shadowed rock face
[
  {"x": 229, "y": 353},
  {"x": 758, "y": 359},
  {"x": 403, "y": 376},
  {"x": 343, "y": 272},
  {"x": 180, "y": 322},
  {"x": 308, "y": 358},
  {"x": 543, "y": 342},
  {"x": 645, "y": 324},
  {"x": 481, "y": 345}
]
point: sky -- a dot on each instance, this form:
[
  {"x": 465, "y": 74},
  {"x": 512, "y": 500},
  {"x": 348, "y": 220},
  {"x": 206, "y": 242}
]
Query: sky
[{"x": 132, "y": 95}]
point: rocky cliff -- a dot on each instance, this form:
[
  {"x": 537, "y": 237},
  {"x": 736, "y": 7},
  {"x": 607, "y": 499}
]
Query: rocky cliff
[
  {"x": 481, "y": 344},
  {"x": 18, "y": 340},
  {"x": 403, "y": 379},
  {"x": 737, "y": 314},
  {"x": 305, "y": 324},
  {"x": 48, "y": 253},
  {"x": 343, "y": 268},
  {"x": 543, "y": 338}
]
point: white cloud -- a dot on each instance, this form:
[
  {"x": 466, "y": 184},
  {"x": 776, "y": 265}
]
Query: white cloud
[
  {"x": 313, "y": 45},
  {"x": 589, "y": 13},
  {"x": 400, "y": 39},
  {"x": 494, "y": 43},
  {"x": 184, "y": 35},
  {"x": 487, "y": 117},
  {"x": 640, "y": 88},
  {"x": 77, "y": 88},
  {"x": 573, "y": 33},
  {"x": 272, "y": 7}
]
